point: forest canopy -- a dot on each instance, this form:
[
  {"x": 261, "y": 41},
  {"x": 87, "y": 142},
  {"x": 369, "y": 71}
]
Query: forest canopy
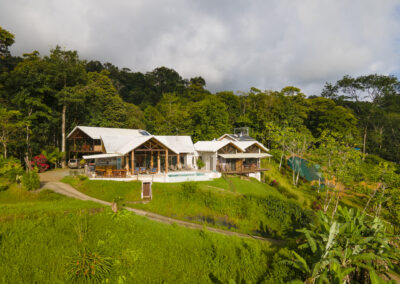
[{"x": 42, "y": 98}]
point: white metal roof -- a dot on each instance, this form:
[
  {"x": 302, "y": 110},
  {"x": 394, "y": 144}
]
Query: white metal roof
[
  {"x": 122, "y": 141},
  {"x": 97, "y": 132},
  {"x": 247, "y": 144},
  {"x": 228, "y": 137},
  {"x": 122, "y": 144},
  {"x": 136, "y": 142},
  {"x": 181, "y": 144},
  {"x": 213, "y": 146},
  {"x": 125, "y": 144},
  {"x": 244, "y": 155},
  {"x": 101, "y": 156}
]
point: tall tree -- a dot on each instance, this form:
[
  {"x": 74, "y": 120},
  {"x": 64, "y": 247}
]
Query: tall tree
[
  {"x": 28, "y": 90},
  {"x": 210, "y": 119},
  {"x": 6, "y": 40},
  {"x": 66, "y": 71},
  {"x": 364, "y": 95},
  {"x": 324, "y": 114}
]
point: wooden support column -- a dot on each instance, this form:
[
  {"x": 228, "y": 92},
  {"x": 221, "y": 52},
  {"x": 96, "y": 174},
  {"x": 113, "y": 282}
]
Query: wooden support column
[
  {"x": 166, "y": 161},
  {"x": 178, "y": 161},
  {"x": 133, "y": 161},
  {"x": 127, "y": 163},
  {"x": 74, "y": 144},
  {"x": 158, "y": 162},
  {"x": 151, "y": 159}
]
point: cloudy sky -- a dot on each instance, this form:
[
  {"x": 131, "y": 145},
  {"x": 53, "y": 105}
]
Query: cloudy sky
[{"x": 233, "y": 44}]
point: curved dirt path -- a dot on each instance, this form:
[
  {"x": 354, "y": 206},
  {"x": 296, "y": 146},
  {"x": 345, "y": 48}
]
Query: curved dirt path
[{"x": 50, "y": 180}]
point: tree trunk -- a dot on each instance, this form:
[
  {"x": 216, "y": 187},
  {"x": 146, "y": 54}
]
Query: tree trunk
[
  {"x": 5, "y": 150},
  {"x": 28, "y": 146},
  {"x": 28, "y": 164},
  {"x": 297, "y": 178},
  {"x": 280, "y": 164},
  {"x": 364, "y": 141},
  {"x": 64, "y": 110},
  {"x": 293, "y": 175}
]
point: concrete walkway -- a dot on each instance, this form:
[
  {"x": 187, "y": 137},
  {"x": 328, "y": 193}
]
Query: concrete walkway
[{"x": 50, "y": 180}]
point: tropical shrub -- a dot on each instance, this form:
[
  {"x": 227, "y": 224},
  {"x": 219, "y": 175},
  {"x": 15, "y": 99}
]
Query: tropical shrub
[
  {"x": 40, "y": 161},
  {"x": 200, "y": 163},
  {"x": 54, "y": 157},
  {"x": 30, "y": 180},
  {"x": 10, "y": 168},
  {"x": 350, "y": 248}
]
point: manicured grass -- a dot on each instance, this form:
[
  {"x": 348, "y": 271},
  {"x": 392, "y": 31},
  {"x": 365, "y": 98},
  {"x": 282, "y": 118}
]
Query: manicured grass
[
  {"x": 44, "y": 248},
  {"x": 106, "y": 190},
  {"x": 246, "y": 206}
]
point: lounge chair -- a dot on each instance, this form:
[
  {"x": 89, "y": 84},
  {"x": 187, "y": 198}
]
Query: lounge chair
[{"x": 153, "y": 170}]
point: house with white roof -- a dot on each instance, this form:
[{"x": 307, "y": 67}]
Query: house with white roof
[
  {"x": 124, "y": 153},
  {"x": 131, "y": 151},
  {"x": 233, "y": 154}
]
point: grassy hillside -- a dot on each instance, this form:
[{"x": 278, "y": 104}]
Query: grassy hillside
[
  {"x": 48, "y": 247},
  {"x": 246, "y": 206}
]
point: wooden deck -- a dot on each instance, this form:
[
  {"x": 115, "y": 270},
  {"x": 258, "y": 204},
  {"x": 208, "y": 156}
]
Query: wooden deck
[{"x": 244, "y": 171}]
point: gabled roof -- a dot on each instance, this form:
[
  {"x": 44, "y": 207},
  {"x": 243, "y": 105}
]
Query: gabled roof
[
  {"x": 247, "y": 144},
  {"x": 236, "y": 137},
  {"x": 119, "y": 144},
  {"x": 97, "y": 132},
  {"x": 136, "y": 142},
  {"x": 182, "y": 144},
  {"x": 125, "y": 144},
  {"x": 227, "y": 137},
  {"x": 214, "y": 146}
]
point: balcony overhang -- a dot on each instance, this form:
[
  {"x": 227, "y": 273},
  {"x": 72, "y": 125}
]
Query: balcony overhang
[
  {"x": 245, "y": 155},
  {"x": 102, "y": 156}
]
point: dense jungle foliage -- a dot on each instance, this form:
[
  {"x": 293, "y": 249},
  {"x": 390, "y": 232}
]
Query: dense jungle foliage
[{"x": 43, "y": 97}]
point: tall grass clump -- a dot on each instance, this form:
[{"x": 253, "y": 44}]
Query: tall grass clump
[{"x": 88, "y": 267}]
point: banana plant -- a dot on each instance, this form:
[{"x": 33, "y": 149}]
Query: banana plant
[{"x": 351, "y": 247}]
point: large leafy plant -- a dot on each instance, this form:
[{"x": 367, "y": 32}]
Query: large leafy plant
[{"x": 350, "y": 248}]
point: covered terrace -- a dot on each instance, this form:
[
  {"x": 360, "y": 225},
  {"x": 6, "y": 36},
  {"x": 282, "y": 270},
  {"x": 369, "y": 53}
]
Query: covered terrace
[{"x": 126, "y": 157}]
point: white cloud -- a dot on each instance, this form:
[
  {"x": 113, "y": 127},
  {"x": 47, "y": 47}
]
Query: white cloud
[{"x": 232, "y": 44}]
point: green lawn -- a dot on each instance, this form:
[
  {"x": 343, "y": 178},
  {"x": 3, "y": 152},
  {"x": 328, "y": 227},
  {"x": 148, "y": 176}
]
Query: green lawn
[
  {"x": 246, "y": 206},
  {"x": 106, "y": 190},
  {"x": 42, "y": 243}
]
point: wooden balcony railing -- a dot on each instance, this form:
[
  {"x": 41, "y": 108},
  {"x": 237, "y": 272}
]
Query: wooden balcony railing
[
  {"x": 87, "y": 148},
  {"x": 229, "y": 169}
]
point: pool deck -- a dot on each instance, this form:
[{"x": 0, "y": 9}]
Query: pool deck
[{"x": 170, "y": 177}]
